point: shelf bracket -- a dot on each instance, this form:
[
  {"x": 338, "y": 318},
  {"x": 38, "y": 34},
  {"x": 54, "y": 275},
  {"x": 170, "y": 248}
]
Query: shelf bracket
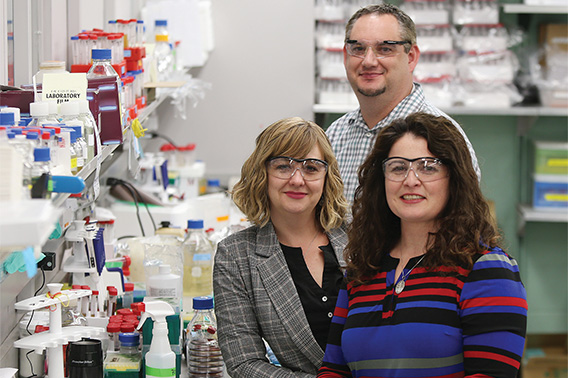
[{"x": 524, "y": 124}]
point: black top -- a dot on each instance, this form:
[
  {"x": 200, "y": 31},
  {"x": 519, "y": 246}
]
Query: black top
[{"x": 318, "y": 302}]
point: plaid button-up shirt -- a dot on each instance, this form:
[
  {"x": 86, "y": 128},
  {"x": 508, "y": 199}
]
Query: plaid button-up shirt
[{"x": 352, "y": 140}]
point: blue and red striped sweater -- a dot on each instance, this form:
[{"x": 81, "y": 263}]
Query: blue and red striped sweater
[{"x": 445, "y": 323}]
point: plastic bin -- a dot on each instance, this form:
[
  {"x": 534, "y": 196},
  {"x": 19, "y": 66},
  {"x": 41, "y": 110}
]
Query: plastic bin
[
  {"x": 550, "y": 192},
  {"x": 551, "y": 158}
]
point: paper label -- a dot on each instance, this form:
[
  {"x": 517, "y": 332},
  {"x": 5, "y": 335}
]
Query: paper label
[{"x": 63, "y": 87}]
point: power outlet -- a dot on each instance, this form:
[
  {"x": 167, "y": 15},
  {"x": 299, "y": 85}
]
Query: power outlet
[{"x": 48, "y": 262}]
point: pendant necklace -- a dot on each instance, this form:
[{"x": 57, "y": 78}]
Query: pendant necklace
[{"x": 402, "y": 280}]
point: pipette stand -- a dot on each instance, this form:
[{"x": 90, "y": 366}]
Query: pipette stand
[{"x": 57, "y": 336}]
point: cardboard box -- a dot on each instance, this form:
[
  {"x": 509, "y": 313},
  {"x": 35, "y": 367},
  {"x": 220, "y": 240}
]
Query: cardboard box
[
  {"x": 554, "y": 39},
  {"x": 545, "y": 356}
]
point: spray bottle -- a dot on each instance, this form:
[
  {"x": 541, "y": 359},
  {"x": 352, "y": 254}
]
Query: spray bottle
[{"x": 160, "y": 359}]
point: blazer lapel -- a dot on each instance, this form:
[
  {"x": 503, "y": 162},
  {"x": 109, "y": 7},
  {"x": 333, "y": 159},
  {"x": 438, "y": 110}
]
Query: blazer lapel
[{"x": 279, "y": 286}]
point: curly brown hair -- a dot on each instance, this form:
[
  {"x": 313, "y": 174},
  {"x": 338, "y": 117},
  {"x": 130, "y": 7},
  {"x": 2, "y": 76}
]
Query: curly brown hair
[
  {"x": 465, "y": 223},
  {"x": 294, "y": 137}
]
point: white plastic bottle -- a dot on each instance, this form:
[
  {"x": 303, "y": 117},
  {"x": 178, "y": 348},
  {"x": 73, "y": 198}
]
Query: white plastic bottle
[
  {"x": 160, "y": 359},
  {"x": 202, "y": 351},
  {"x": 163, "y": 57},
  {"x": 39, "y": 111},
  {"x": 90, "y": 124},
  {"x": 197, "y": 263},
  {"x": 164, "y": 284}
]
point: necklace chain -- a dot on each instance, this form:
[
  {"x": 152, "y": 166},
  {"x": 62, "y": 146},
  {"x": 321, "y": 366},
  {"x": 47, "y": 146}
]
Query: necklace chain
[{"x": 399, "y": 287}]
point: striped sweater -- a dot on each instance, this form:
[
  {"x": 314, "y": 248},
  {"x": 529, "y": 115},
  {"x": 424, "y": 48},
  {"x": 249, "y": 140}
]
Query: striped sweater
[{"x": 468, "y": 323}]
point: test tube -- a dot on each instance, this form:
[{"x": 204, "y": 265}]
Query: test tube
[
  {"x": 74, "y": 49},
  {"x": 140, "y": 33},
  {"x": 111, "y": 26}
]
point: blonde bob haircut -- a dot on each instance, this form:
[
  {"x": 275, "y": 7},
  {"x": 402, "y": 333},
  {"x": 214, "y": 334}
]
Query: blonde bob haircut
[{"x": 294, "y": 137}]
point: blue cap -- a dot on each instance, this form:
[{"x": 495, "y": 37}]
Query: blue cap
[
  {"x": 74, "y": 37},
  {"x": 112, "y": 21},
  {"x": 7, "y": 119},
  {"x": 195, "y": 224},
  {"x": 32, "y": 135},
  {"x": 78, "y": 130},
  {"x": 213, "y": 182},
  {"x": 203, "y": 303},
  {"x": 101, "y": 54},
  {"x": 72, "y": 135},
  {"x": 161, "y": 23},
  {"x": 16, "y": 130},
  {"x": 41, "y": 154},
  {"x": 139, "y": 21},
  {"x": 129, "y": 338},
  {"x": 11, "y": 134}
]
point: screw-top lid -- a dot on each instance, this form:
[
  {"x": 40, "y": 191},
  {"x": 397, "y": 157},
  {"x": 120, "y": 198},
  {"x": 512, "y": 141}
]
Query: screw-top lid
[
  {"x": 34, "y": 135},
  {"x": 101, "y": 54},
  {"x": 7, "y": 119},
  {"x": 195, "y": 224},
  {"x": 129, "y": 286},
  {"x": 69, "y": 108},
  {"x": 164, "y": 269},
  {"x": 72, "y": 135},
  {"x": 39, "y": 109},
  {"x": 78, "y": 130},
  {"x": 112, "y": 290},
  {"x": 127, "y": 327},
  {"x": 213, "y": 182},
  {"x": 129, "y": 338},
  {"x": 161, "y": 23},
  {"x": 113, "y": 327},
  {"x": 41, "y": 154},
  {"x": 203, "y": 303},
  {"x": 85, "y": 353}
]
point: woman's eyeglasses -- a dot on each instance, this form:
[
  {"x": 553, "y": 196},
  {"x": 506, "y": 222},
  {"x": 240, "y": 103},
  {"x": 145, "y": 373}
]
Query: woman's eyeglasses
[{"x": 284, "y": 167}]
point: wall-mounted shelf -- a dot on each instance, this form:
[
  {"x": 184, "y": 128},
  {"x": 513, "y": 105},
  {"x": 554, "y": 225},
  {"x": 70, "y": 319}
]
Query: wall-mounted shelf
[
  {"x": 535, "y": 9},
  {"x": 529, "y": 214},
  {"x": 525, "y": 111}
]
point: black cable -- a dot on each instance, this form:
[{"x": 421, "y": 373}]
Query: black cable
[
  {"x": 133, "y": 194},
  {"x": 31, "y": 365},
  {"x": 158, "y": 135},
  {"x": 35, "y": 294},
  {"x": 125, "y": 183}
]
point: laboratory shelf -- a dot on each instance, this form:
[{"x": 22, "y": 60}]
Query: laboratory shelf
[
  {"x": 530, "y": 214},
  {"x": 527, "y": 111},
  {"x": 27, "y": 222},
  {"x": 535, "y": 9}
]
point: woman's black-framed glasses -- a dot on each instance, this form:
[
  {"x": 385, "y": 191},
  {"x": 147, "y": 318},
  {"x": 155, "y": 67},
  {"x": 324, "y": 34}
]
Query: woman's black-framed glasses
[{"x": 284, "y": 167}]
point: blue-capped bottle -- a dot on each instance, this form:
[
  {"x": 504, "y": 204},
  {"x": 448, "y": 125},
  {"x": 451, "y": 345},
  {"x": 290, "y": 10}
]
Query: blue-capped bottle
[
  {"x": 197, "y": 263},
  {"x": 202, "y": 351}
]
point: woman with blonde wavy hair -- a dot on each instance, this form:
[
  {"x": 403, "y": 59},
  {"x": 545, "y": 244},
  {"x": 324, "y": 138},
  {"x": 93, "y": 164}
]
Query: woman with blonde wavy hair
[{"x": 277, "y": 281}]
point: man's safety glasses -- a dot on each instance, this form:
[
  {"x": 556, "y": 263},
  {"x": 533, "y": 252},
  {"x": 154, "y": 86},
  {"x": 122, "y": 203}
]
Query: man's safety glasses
[{"x": 381, "y": 49}]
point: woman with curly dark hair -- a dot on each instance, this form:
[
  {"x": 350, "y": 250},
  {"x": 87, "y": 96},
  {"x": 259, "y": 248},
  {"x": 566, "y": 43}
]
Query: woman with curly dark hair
[{"x": 429, "y": 292}]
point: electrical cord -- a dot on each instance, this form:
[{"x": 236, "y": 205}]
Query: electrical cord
[
  {"x": 155, "y": 134},
  {"x": 30, "y": 321},
  {"x": 135, "y": 194},
  {"x": 125, "y": 183}
]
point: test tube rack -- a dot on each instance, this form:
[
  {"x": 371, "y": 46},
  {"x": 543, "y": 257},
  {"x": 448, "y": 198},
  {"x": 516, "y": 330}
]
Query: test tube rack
[{"x": 57, "y": 336}]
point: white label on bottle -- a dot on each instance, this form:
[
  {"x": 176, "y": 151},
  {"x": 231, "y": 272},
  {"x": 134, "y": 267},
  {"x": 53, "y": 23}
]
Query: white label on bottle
[{"x": 162, "y": 292}]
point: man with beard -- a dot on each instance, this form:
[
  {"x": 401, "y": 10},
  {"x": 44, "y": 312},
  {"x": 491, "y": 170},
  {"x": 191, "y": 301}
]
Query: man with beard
[{"x": 380, "y": 54}]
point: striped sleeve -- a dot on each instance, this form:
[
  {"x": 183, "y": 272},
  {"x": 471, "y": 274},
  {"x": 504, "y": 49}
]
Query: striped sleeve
[
  {"x": 333, "y": 362},
  {"x": 493, "y": 311}
]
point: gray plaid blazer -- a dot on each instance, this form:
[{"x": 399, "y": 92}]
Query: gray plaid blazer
[{"x": 255, "y": 298}]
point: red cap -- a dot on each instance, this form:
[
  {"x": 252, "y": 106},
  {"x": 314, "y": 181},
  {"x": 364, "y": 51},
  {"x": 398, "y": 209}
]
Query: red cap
[
  {"x": 167, "y": 147},
  {"x": 40, "y": 328},
  {"x": 124, "y": 311},
  {"x": 112, "y": 290},
  {"x": 113, "y": 327},
  {"x": 129, "y": 286},
  {"x": 138, "y": 307},
  {"x": 76, "y": 287},
  {"x": 85, "y": 287},
  {"x": 127, "y": 327},
  {"x": 115, "y": 318},
  {"x": 95, "y": 292}
]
